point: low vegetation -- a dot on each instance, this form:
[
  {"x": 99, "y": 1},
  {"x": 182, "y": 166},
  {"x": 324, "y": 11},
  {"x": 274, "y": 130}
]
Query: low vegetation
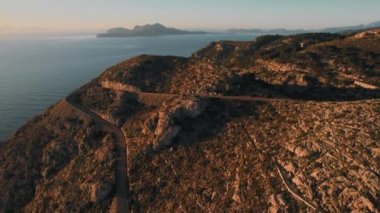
[{"x": 187, "y": 152}]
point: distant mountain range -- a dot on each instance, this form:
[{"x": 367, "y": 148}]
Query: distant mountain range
[
  {"x": 146, "y": 30},
  {"x": 286, "y": 31},
  {"x": 270, "y": 31},
  {"x": 353, "y": 28},
  {"x": 159, "y": 29}
]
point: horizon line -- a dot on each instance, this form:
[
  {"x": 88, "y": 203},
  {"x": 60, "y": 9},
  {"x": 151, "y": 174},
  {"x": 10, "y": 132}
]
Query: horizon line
[{"x": 14, "y": 30}]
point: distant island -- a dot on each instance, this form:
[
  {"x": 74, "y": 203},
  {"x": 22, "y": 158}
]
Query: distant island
[
  {"x": 159, "y": 30},
  {"x": 283, "y": 31},
  {"x": 146, "y": 30}
]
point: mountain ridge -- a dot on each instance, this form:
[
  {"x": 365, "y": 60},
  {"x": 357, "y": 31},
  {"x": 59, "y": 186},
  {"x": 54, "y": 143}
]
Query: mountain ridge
[
  {"x": 146, "y": 30},
  {"x": 297, "y": 31}
]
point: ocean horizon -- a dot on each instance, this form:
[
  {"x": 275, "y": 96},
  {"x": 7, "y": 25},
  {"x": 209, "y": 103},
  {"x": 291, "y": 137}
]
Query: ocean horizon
[{"x": 36, "y": 72}]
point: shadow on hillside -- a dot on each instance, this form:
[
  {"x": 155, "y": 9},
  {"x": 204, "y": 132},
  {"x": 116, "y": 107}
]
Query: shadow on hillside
[
  {"x": 219, "y": 113},
  {"x": 196, "y": 135},
  {"x": 249, "y": 86},
  {"x": 128, "y": 106},
  {"x": 208, "y": 125}
]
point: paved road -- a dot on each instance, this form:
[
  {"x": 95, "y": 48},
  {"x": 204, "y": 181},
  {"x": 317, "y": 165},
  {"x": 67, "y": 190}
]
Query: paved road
[
  {"x": 221, "y": 97},
  {"x": 122, "y": 188}
]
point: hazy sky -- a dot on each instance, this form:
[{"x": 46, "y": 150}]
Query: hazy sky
[{"x": 75, "y": 15}]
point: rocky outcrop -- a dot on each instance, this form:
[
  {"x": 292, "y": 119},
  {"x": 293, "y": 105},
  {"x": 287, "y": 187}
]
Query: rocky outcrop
[
  {"x": 365, "y": 85},
  {"x": 278, "y": 67},
  {"x": 101, "y": 191},
  {"x": 54, "y": 156},
  {"x": 367, "y": 34},
  {"x": 163, "y": 123},
  {"x": 119, "y": 86}
]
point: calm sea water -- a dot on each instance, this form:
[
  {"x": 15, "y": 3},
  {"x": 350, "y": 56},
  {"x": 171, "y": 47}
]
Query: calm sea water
[{"x": 37, "y": 72}]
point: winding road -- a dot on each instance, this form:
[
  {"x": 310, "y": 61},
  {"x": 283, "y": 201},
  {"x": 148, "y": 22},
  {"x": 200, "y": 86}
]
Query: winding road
[
  {"x": 122, "y": 184},
  {"x": 219, "y": 97},
  {"x": 158, "y": 95}
]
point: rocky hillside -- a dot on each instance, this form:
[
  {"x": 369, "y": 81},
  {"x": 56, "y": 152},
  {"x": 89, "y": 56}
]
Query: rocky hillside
[
  {"x": 300, "y": 66},
  {"x": 313, "y": 146},
  {"x": 59, "y": 161}
]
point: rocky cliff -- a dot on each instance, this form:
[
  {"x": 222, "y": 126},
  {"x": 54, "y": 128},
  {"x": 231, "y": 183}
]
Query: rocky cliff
[{"x": 309, "y": 143}]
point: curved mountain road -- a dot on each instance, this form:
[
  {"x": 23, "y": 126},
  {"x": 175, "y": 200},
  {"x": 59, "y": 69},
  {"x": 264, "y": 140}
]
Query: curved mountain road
[
  {"x": 239, "y": 98},
  {"x": 122, "y": 188},
  {"x": 157, "y": 95},
  {"x": 122, "y": 185},
  {"x": 220, "y": 97}
]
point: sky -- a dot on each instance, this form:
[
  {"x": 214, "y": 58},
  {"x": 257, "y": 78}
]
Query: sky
[{"x": 95, "y": 15}]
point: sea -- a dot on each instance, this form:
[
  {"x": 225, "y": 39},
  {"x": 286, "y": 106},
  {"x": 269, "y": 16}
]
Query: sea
[{"x": 36, "y": 72}]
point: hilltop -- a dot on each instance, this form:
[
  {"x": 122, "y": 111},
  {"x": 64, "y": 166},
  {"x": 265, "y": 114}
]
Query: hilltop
[
  {"x": 146, "y": 30},
  {"x": 305, "y": 66},
  {"x": 281, "y": 123}
]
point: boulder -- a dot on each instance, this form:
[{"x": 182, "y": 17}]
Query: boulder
[
  {"x": 100, "y": 191},
  {"x": 166, "y": 127}
]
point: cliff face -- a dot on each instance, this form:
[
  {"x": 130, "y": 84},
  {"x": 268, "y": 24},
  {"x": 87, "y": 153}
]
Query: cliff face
[{"x": 312, "y": 145}]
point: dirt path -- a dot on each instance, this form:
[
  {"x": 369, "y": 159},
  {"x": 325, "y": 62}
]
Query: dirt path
[
  {"x": 122, "y": 189},
  {"x": 283, "y": 178},
  {"x": 285, "y": 181}
]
